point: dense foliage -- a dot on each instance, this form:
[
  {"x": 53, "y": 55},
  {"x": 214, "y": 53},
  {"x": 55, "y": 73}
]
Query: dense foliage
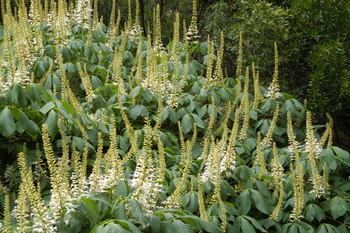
[
  {"x": 313, "y": 41},
  {"x": 109, "y": 131}
]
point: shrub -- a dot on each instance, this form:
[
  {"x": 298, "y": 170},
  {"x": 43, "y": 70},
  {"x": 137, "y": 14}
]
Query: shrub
[{"x": 127, "y": 135}]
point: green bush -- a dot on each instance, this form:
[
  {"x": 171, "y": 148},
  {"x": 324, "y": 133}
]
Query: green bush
[
  {"x": 313, "y": 42},
  {"x": 109, "y": 132}
]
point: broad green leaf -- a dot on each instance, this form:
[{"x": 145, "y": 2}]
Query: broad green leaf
[
  {"x": 310, "y": 212},
  {"x": 173, "y": 116},
  {"x": 111, "y": 228},
  {"x": 135, "y": 112},
  {"x": 193, "y": 203},
  {"x": 186, "y": 124},
  {"x": 288, "y": 106},
  {"x": 147, "y": 95},
  {"x": 167, "y": 227},
  {"x": 64, "y": 106},
  {"x": 155, "y": 222},
  {"x": 265, "y": 126},
  {"x": 128, "y": 225},
  {"x": 338, "y": 207},
  {"x": 185, "y": 199},
  {"x": 259, "y": 201},
  {"x": 87, "y": 210},
  {"x": 253, "y": 114},
  {"x": 81, "y": 143},
  {"x": 243, "y": 202},
  {"x": 47, "y": 107},
  {"x": 136, "y": 209},
  {"x": 202, "y": 111},
  {"x": 66, "y": 53},
  {"x": 181, "y": 227},
  {"x": 268, "y": 104},
  {"x": 303, "y": 227},
  {"x": 247, "y": 227},
  {"x": 255, "y": 223},
  {"x": 121, "y": 189},
  {"x": 165, "y": 113},
  {"x": 341, "y": 153},
  {"x": 199, "y": 122},
  {"x": 196, "y": 87},
  {"x": 138, "y": 110},
  {"x": 119, "y": 211},
  {"x": 69, "y": 67},
  {"x": 31, "y": 128},
  {"x": 7, "y": 123},
  {"x": 21, "y": 95},
  {"x": 19, "y": 127}
]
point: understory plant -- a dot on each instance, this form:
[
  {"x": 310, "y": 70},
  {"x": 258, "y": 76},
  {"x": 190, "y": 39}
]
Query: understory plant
[{"x": 105, "y": 130}]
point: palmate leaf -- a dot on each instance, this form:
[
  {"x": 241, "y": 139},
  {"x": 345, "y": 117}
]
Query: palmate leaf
[{"x": 7, "y": 123}]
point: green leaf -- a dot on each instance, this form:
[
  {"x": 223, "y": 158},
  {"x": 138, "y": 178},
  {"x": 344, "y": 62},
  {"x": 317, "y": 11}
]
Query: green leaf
[
  {"x": 138, "y": 110},
  {"x": 268, "y": 104},
  {"x": 288, "y": 106},
  {"x": 155, "y": 222},
  {"x": 181, "y": 227},
  {"x": 247, "y": 227},
  {"x": 88, "y": 208},
  {"x": 7, "y": 123},
  {"x": 111, "y": 228},
  {"x": 199, "y": 122},
  {"x": 338, "y": 207},
  {"x": 173, "y": 116},
  {"x": 195, "y": 88},
  {"x": 265, "y": 126},
  {"x": 253, "y": 114},
  {"x": 119, "y": 210},
  {"x": 243, "y": 202},
  {"x": 31, "y": 128},
  {"x": 66, "y": 53},
  {"x": 202, "y": 111},
  {"x": 147, "y": 95},
  {"x": 135, "y": 112},
  {"x": 167, "y": 227},
  {"x": 128, "y": 225},
  {"x": 165, "y": 113},
  {"x": 341, "y": 153},
  {"x": 259, "y": 201},
  {"x": 47, "y": 107},
  {"x": 121, "y": 189},
  {"x": 186, "y": 124},
  {"x": 81, "y": 143},
  {"x": 136, "y": 209}
]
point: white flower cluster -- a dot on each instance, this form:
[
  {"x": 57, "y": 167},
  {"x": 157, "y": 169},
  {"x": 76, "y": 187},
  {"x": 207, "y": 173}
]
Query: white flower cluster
[
  {"x": 227, "y": 164},
  {"x": 134, "y": 33},
  {"x": 273, "y": 91},
  {"x": 82, "y": 13}
]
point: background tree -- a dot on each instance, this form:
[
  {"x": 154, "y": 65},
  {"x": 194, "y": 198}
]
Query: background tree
[{"x": 313, "y": 43}]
